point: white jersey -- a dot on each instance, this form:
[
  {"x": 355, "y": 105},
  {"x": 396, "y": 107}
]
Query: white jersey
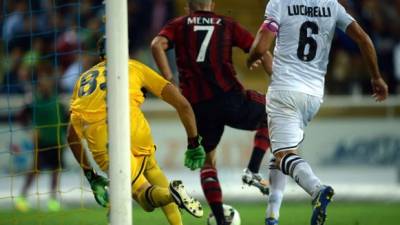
[{"x": 306, "y": 29}]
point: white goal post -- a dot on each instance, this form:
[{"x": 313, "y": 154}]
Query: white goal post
[{"x": 118, "y": 111}]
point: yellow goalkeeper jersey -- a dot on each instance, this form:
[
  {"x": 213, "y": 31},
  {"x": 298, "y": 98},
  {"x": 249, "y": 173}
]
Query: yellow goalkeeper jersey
[{"x": 88, "y": 103}]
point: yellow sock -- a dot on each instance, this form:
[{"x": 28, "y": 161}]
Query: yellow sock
[
  {"x": 173, "y": 214},
  {"x": 155, "y": 176},
  {"x": 153, "y": 197}
]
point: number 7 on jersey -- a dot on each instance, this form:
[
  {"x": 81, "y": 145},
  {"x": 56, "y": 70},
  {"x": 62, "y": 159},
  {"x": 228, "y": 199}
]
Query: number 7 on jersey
[{"x": 206, "y": 42}]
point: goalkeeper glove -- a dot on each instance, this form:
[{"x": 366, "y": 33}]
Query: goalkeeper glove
[
  {"x": 195, "y": 155},
  {"x": 99, "y": 186}
]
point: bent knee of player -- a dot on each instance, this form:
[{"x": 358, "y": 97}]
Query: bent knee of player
[
  {"x": 142, "y": 201},
  {"x": 145, "y": 205},
  {"x": 281, "y": 154},
  {"x": 140, "y": 197}
]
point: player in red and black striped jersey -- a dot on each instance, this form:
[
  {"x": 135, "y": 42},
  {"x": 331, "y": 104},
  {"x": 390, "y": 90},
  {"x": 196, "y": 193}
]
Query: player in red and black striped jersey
[{"x": 203, "y": 43}]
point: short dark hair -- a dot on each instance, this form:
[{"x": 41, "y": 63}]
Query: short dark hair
[{"x": 200, "y": 1}]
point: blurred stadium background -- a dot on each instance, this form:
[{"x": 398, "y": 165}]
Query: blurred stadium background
[{"x": 354, "y": 144}]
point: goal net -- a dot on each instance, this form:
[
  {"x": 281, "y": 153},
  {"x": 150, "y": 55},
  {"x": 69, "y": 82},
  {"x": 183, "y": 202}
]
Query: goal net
[{"x": 45, "y": 46}]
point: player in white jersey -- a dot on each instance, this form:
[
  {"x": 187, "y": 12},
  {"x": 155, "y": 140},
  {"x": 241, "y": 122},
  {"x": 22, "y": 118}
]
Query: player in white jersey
[{"x": 303, "y": 30}]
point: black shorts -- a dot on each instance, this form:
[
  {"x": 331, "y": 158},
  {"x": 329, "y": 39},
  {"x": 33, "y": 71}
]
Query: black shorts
[
  {"x": 241, "y": 110},
  {"x": 48, "y": 157}
]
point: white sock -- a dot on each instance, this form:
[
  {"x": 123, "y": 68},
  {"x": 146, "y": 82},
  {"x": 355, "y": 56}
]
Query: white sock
[
  {"x": 301, "y": 172},
  {"x": 305, "y": 177},
  {"x": 277, "y": 186}
]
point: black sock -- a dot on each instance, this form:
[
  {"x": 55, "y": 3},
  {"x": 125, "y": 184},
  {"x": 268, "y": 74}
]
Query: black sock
[
  {"x": 218, "y": 212},
  {"x": 255, "y": 161},
  {"x": 213, "y": 193}
]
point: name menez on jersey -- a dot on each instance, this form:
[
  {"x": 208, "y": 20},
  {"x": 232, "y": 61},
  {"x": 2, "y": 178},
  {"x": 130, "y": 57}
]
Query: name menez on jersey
[
  {"x": 204, "y": 20},
  {"x": 315, "y": 11}
]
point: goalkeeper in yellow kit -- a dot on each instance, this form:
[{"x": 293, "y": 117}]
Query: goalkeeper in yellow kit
[{"x": 150, "y": 187}]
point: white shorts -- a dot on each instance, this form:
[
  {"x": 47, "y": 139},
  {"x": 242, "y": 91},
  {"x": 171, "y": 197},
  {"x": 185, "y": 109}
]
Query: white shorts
[{"x": 289, "y": 112}]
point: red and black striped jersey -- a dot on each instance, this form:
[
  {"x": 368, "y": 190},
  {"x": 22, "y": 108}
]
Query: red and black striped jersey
[{"x": 203, "y": 43}]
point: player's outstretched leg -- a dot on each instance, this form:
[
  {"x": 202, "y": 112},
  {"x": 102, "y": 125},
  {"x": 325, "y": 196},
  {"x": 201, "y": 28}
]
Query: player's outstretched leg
[
  {"x": 251, "y": 174},
  {"x": 277, "y": 186},
  {"x": 183, "y": 200},
  {"x": 213, "y": 193},
  {"x": 293, "y": 165}
]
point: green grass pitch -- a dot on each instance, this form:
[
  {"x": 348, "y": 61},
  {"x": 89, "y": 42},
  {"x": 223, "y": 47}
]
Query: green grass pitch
[{"x": 251, "y": 214}]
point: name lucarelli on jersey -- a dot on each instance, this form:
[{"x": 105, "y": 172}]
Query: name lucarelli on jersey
[
  {"x": 310, "y": 11},
  {"x": 204, "y": 21}
]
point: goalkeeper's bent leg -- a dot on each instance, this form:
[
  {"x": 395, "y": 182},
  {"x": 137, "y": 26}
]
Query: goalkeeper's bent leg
[{"x": 155, "y": 176}]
